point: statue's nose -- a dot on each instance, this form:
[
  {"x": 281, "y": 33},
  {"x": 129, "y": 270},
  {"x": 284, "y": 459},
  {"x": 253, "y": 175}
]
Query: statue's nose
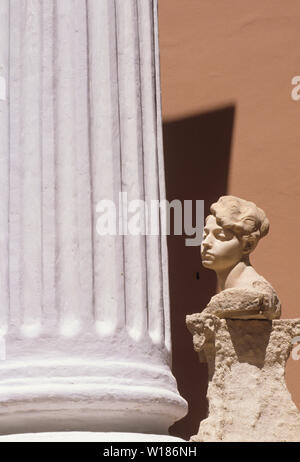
[{"x": 206, "y": 243}]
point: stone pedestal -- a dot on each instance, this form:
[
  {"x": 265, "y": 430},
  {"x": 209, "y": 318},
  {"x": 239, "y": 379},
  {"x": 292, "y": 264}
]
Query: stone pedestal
[
  {"x": 247, "y": 393},
  {"x": 85, "y": 331}
]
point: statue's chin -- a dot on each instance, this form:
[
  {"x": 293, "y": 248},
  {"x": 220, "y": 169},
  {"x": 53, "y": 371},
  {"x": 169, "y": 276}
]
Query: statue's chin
[{"x": 207, "y": 264}]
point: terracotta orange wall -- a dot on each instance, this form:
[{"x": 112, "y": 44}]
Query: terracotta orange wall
[{"x": 243, "y": 54}]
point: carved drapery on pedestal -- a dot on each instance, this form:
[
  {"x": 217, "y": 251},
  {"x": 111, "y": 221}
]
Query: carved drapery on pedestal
[{"x": 84, "y": 318}]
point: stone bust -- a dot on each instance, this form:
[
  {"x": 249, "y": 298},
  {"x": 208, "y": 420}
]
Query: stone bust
[
  {"x": 231, "y": 234},
  {"x": 239, "y": 337}
]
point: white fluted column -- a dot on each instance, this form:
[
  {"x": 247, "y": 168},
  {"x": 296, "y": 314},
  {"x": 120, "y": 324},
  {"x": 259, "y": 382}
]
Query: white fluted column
[
  {"x": 4, "y": 164},
  {"x": 84, "y": 318}
]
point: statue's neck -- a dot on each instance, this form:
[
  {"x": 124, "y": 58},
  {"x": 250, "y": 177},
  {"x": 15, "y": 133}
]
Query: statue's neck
[{"x": 229, "y": 277}]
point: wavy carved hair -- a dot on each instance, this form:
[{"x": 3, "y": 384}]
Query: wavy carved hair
[{"x": 248, "y": 222}]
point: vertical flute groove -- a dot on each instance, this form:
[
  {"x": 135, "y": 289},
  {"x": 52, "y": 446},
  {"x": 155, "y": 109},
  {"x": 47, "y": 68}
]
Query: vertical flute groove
[
  {"x": 148, "y": 108},
  {"x": 83, "y": 179},
  {"x": 67, "y": 242},
  {"x": 132, "y": 168},
  {"x": 91, "y": 198},
  {"x": 161, "y": 177},
  {"x": 143, "y": 149},
  {"x": 48, "y": 169},
  {"x": 14, "y": 172},
  {"x": 106, "y": 178},
  {"x": 120, "y": 157},
  {"x": 4, "y": 164},
  {"x": 31, "y": 265}
]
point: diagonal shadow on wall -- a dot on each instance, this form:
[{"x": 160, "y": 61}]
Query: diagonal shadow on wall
[{"x": 197, "y": 157}]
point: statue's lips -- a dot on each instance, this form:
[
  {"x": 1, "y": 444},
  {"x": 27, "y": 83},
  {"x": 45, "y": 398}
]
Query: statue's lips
[{"x": 207, "y": 256}]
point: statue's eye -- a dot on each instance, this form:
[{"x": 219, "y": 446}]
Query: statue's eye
[{"x": 222, "y": 236}]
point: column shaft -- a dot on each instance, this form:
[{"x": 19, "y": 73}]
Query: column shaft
[{"x": 87, "y": 314}]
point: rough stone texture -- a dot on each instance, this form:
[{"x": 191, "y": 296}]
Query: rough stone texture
[
  {"x": 247, "y": 393},
  {"x": 261, "y": 302}
]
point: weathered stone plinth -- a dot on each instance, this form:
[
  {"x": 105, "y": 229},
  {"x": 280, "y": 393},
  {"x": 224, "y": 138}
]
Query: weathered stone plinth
[{"x": 247, "y": 393}]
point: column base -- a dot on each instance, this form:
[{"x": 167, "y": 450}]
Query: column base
[
  {"x": 96, "y": 396},
  {"x": 102, "y": 437}
]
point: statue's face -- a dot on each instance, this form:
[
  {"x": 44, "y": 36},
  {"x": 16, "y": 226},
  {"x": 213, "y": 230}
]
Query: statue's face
[{"x": 220, "y": 248}]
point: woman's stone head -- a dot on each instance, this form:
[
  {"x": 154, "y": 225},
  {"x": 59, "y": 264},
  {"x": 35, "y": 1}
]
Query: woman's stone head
[{"x": 231, "y": 232}]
